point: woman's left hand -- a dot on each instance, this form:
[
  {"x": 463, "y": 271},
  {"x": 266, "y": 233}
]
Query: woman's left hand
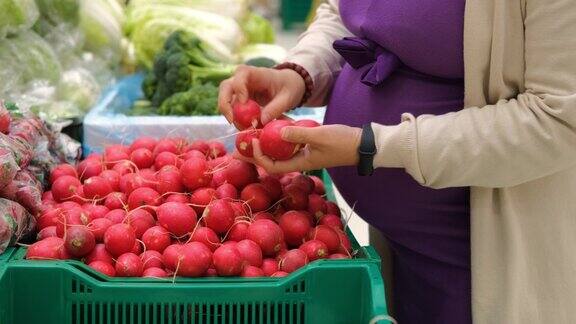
[{"x": 325, "y": 146}]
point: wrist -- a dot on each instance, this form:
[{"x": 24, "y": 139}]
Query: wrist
[{"x": 305, "y": 84}]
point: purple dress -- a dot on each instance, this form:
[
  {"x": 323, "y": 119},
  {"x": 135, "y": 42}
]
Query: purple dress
[{"x": 407, "y": 56}]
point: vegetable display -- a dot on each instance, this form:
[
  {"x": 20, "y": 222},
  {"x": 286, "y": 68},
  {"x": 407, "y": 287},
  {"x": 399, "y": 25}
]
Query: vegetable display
[{"x": 167, "y": 207}]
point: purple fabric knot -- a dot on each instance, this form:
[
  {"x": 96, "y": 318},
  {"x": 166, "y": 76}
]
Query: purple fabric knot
[{"x": 359, "y": 52}]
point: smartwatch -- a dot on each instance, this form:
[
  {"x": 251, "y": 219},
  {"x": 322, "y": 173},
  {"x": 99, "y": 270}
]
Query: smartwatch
[{"x": 366, "y": 151}]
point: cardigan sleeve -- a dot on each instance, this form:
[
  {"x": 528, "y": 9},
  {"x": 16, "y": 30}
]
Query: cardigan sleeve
[
  {"x": 314, "y": 51},
  {"x": 512, "y": 141}
]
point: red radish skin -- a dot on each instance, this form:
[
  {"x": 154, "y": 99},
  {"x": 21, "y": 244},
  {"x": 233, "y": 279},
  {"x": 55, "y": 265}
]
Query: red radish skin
[
  {"x": 49, "y": 218},
  {"x": 154, "y": 273},
  {"x": 143, "y": 197},
  {"x": 166, "y": 158},
  {"x": 207, "y": 236},
  {"x": 226, "y": 191},
  {"x": 279, "y": 274},
  {"x": 123, "y": 168},
  {"x": 264, "y": 215},
  {"x": 239, "y": 208},
  {"x": 165, "y": 145},
  {"x": 252, "y": 272},
  {"x": 98, "y": 227},
  {"x": 140, "y": 220},
  {"x": 256, "y": 196},
  {"x": 177, "y": 218},
  {"x": 332, "y": 221},
  {"x": 72, "y": 217},
  {"x": 99, "y": 253},
  {"x": 195, "y": 174},
  {"x": 5, "y": 121},
  {"x": 171, "y": 255},
  {"x": 327, "y": 235},
  {"x": 193, "y": 154},
  {"x": 286, "y": 179},
  {"x": 228, "y": 261},
  {"x": 306, "y": 123},
  {"x": 238, "y": 231},
  {"x": 269, "y": 266},
  {"x": 103, "y": 267},
  {"x": 169, "y": 180},
  {"x": 116, "y": 216},
  {"x": 337, "y": 256},
  {"x": 79, "y": 241},
  {"x": 177, "y": 197},
  {"x": 142, "y": 158},
  {"x": 96, "y": 188},
  {"x": 110, "y": 149},
  {"x": 211, "y": 273},
  {"x": 244, "y": 141},
  {"x": 49, "y": 231},
  {"x": 231, "y": 243},
  {"x": 332, "y": 208},
  {"x": 198, "y": 145},
  {"x": 65, "y": 187},
  {"x": 130, "y": 182},
  {"x": 246, "y": 115},
  {"x": 319, "y": 188},
  {"x": 129, "y": 265},
  {"x": 119, "y": 239},
  {"x": 251, "y": 252},
  {"x": 50, "y": 248},
  {"x": 317, "y": 206},
  {"x": 96, "y": 211},
  {"x": 115, "y": 200},
  {"x": 152, "y": 259},
  {"x": 149, "y": 178},
  {"x": 295, "y": 225},
  {"x": 314, "y": 250},
  {"x": 156, "y": 238},
  {"x": 148, "y": 143},
  {"x": 216, "y": 149},
  {"x": 296, "y": 199},
  {"x": 194, "y": 260},
  {"x": 240, "y": 173},
  {"x": 304, "y": 182},
  {"x": 201, "y": 197},
  {"x": 47, "y": 196},
  {"x": 272, "y": 186},
  {"x": 293, "y": 260},
  {"x": 137, "y": 248},
  {"x": 62, "y": 170},
  {"x": 345, "y": 245},
  {"x": 94, "y": 156},
  {"x": 69, "y": 205},
  {"x": 89, "y": 168},
  {"x": 112, "y": 157},
  {"x": 219, "y": 216},
  {"x": 267, "y": 234},
  {"x": 78, "y": 197},
  {"x": 272, "y": 144}
]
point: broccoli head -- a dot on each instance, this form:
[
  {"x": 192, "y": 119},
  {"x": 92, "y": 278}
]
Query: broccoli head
[{"x": 199, "y": 100}]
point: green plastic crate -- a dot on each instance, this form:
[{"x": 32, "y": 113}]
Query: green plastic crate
[
  {"x": 69, "y": 292},
  {"x": 294, "y": 13}
]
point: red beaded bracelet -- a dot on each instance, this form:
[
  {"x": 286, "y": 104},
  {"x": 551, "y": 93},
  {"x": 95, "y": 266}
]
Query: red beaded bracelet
[{"x": 308, "y": 83}]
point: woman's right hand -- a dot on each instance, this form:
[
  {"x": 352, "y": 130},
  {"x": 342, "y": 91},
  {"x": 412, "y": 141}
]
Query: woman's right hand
[{"x": 277, "y": 91}]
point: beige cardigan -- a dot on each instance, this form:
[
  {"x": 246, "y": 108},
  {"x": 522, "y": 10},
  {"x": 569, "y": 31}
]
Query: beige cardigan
[{"x": 514, "y": 144}]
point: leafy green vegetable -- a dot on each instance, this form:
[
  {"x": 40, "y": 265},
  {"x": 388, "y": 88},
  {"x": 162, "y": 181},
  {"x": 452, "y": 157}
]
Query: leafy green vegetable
[
  {"x": 258, "y": 29},
  {"x": 16, "y": 16},
  {"x": 200, "y": 100},
  {"x": 273, "y": 52},
  {"x": 101, "y": 24},
  {"x": 235, "y": 9},
  {"x": 59, "y": 11}
]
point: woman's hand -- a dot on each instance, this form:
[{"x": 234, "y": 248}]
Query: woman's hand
[
  {"x": 276, "y": 90},
  {"x": 326, "y": 146}
]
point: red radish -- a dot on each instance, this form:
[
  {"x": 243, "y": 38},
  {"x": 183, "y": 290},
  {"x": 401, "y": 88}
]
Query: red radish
[
  {"x": 119, "y": 239},
  {"x": 48, "y": 218},
  {"x": 99, "y": 226},
  {"x": 140, "y": 220},
  {"x": 244, "y": 141},
  {"x": 69, "y": 205},
  {"x": 137, "y": 248},
  {"x": 130, "y": 182},
  {"x": 238, "y": 231},
  {"x": 166, "y": 158},
  {"x": 199, "y": 145},
  {"x": 116, "y": 216},
  {"x": 296, "y": 199},
  {"x": 264, "y": 215},
  {"x": 327, "y": 235},
  {"x": 47, "y": 196},
  {"x": 49, "y": 231},
  {"x": 94, "y": 156},
  {"x": 129, "y": 265},
  {"x": 316, "y": 206},
  {"x": 169, "y": 180},
  {"x": 315, "y": 250},
  {"x": 79, "y": 241},
  {"x": 219, "y": 216},
  {"x": 216, "y": 149},
  {"x": 156, "y": 238},
  {"x": 178, "y": 218},
  {"x": 99, "y": 253},
  {"x": 336, "y": 256},
  {"x": 332, "y": 208},
  {"x": 149, "y": 178},
  {"x": 269, "y": 266},
  {"x": 231, "y": 243},
  {"x": 272, "y": 186},
  {"x": 219, "y": 162},
  {"x": 154, "y": 273},
  {"x": 96, "y": 211},
  {"x": 228, "y": 261},
  {"x": 286, "y": 178},
  {"x": 332, "y": 221},
  {"x": 62, "y": 170},
  {"x": 165, "y": 145},
  {"x": 152, "y": 259},
  {"x": 207, "y": 236},
  {"x": 319, "y": 188},
  {"x": 5, "y": 120},
  {"x": 194, "y": 260},
  {"x": 279, "y": 274},
  {"x": 272, "y": 144},
  {"x": 250, "y": 252},
  {"x": 304, "y": 182},
  {"x": 239, "y": 209},
  {"x": 177, "y": 197},
  {"x": 295, "y": 226},
  {"x": 226, "y": 191},
  {"x": 143, "y": 142},
  {"x": 193, "y": 154},
  {"x": 345, "y": 245},
  {"x": 65, "y": 187},
  {"x": 306, "y": 123},
  {"x": 171, "y": 255},
  {"x": 142, "y": 158},
  {"x": 143, "y": 197},
  {"x": 195, "y": 174},
  {"x": 110, "y": 149},
  {"x": 252, "y": 272},
  {"x": 123, "y": 168},
  {"x": 89, "y": 168},
  {"x": 293, "y": 260},
  {"x": 115, "y": 200},
  {"x": 96, "y": 187},
  {"x": 240, "y": 173},
  {"x": 218, "y": 178},
  {"x": 246, "y": 115},
  {"x": 113, "y": 179},
  {"x": 78, "y": 197},
  {"x": 50, "y": 248},
  {"x": 256, "y": 196},
  {"x": 112, "y": 157},
  {"x": 72, "y": 217},
  {"x": 201, "y": 197},
  {"x": 267, "y": 234},
  {"x": 103, "y": 267},
  {"x": 211, "y": 273}
]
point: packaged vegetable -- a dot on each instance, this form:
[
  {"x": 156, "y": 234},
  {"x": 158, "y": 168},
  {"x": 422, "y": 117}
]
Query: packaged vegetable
[
  {"x": 257, "y": 29},
  {"x": 8, "y": 167},
  {"x": 15, "y": 223},
  {"x": 17, "y": 16},
  {"x": 56, "y": 12},
  {"x": 101, "y": 24},
  {"x": 26, "y": 190}
]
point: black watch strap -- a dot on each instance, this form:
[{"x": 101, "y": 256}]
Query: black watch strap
[{"x": 366, "y": 151}]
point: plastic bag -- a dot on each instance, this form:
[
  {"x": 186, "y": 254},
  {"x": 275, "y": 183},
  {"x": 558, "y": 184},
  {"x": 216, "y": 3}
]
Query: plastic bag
[
  {"x": 16, "y": 16},
  {"x": 21, "y": 150},
  {"x": 26, "y": 190},
  {"x": 8, "y": 167},
  {"x": 15, "y": 223},
  {"x": 59, "y": 11}
]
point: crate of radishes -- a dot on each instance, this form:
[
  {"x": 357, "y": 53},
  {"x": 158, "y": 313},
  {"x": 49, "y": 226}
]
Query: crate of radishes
[{"x": 166, "y": 231}]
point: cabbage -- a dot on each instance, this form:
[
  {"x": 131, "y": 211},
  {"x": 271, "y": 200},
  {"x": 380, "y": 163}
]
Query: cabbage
[
  {"x": 258, "y": 29},
  {"x": 79, "y": 87},
  {"x": 101, "y": 24},
  {"x": 236, "y": 9},
  {"x": 253, "y": 51},
  {"x": 16, "y": 16},
  {"x": 59, "y": 11}
]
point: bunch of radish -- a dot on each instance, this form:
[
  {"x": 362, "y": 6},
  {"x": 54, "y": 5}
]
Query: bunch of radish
[
  {"x": 160, "y": 208},
  {"x": 247, "y": 120}
]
